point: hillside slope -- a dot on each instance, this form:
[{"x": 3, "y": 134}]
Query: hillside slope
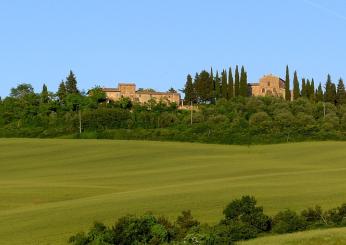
[{"x": 50, "y": 189}]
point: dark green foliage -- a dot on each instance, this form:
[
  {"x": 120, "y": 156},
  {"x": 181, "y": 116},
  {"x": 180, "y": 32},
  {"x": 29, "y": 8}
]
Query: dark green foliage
[
  {"x": 243, "y": 220},
  {"x": 44, "y": 94},
  {"x": 304, "y": 92},
  {"x": 330, "y": 94},
  {"x": 245, "y": 210},
  {"x": 230, "y": 84},
  {"x": 287, "y": 222},
  {"x": 341, "y": 94},
  {"x": 224, "y": 85},
  {"x": 319, "y": 94},
  {"x": 243, "y": 86},
  {"x": 189, "y": 90},
  {"x": 217, "y": 86},
  {"x": 71, "y": 84},
  {"x": 287, "y": 85},
  {"x": 62, "y": 91},
  {"x": 296, "y": 90},
  {"x": 21, "y": 91},
  {"x": 236, "y": 82}
]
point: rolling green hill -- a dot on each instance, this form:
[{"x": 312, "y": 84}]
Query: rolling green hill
[
  {"x": 50, "y": 189},
  {"x": 335, "y": 236}
]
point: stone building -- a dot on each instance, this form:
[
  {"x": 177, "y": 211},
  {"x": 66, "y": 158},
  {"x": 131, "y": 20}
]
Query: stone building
[
  {"x": 128, "y": 90},
  {"x": 268, "y": 85}
]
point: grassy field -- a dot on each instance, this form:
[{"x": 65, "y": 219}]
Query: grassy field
[
  {"x": 50, "y": 189},
  {"x": 336, "y": 236}
]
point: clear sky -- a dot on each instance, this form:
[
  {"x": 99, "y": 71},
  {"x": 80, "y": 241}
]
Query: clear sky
[{"x": 156, "y": 43}]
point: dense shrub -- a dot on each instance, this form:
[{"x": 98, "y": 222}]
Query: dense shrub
[{"x": 287, "y": 222}]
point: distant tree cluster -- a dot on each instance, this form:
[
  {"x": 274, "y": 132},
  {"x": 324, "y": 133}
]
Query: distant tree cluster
[
  {"x": 207, "y": 88},
  {"x": 243, "y": 220},
  {"x": 222, "y": 113}
]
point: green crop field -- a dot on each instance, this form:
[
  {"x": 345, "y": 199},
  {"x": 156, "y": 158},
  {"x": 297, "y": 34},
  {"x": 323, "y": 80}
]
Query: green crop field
[{"x": 50, "y": 189}]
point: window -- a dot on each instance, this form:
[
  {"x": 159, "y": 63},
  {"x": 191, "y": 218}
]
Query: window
[
  {"x": 263, "y": 90},
  {"x": 268, "y": 84}
]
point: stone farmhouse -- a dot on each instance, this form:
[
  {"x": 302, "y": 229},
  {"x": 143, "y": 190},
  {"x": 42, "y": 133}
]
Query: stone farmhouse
[
  {"x": 128, "y": 90},
  {"x": 268, "y": 85}
]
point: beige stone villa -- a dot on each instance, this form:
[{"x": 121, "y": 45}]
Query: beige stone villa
[
  {"x": 268, "y": 85},
  {"x": 128, "y": 90}
]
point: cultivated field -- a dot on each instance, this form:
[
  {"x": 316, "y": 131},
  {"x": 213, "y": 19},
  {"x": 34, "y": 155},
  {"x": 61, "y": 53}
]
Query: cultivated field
[{"x": 50, "y": 189}]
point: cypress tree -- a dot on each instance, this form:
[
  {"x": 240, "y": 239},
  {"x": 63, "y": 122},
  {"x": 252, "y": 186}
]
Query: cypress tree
[
  {"x": 243, "y": 91},
  {"x": 44, "y": 94},
  {"x": 296, "y": 90},
  {"x": 307, "y": 88},
  {"x": 71, "y": 84},
  {"x": 211, "y": 87},
  {"x": 197, "y": 88},
  {"x": 224, "y": 87},
  {"x": 319, "y": 93},
  {"x": 189, "y": 90},
  {"x": 230, "y": 84},
  {"x": 312, "y": 90},
  {"x": 217, "y": 82},
  {"x": 287, "y": 85},
  {"x": 341, "y": 94},
  {"x": 61, "y": 91},
  {"x": 303, "y": 93},
  {"x": 236, "y": 82}
]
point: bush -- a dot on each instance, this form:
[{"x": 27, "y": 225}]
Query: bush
[{"x": 287, "y": 222}]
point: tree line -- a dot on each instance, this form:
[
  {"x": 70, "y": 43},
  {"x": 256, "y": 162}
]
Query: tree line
[
  {"x": 215, "y": 119},
  {"x": 206, "y": 87},
  {"x": 243, "y": 220}
]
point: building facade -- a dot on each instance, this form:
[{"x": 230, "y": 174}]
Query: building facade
[
  {"x": 128, "y": 90},
  {"x": 268, "y": 85}
]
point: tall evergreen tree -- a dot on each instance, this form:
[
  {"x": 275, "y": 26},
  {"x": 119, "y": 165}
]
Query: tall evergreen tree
[
  {"x": 307, "y": 88},
  {"x": 236, "y": 82},
  {"x": 211, "y": 87},
  {"x": 243, "y": 88},
  {"x": 224, "y": 86},
  {"x": 304, "y": 89},
  {"x": 44, "y": 94},
  {"x": 341, "y": 94},
  {"x": 329, "y": 95},
  {"x": 217, "y": 82},
  {"x": 230, "y": 84},
  {"x": 312, "y": 90},
  {"x": 61, "y": 91},
  {"x": 71, "y": 84},
  {"x": 296, "y": 90},
  {"x": 319, "y": 94},
  {"x": 189, "y": 90},
  {"x": 287, "y": 85}
]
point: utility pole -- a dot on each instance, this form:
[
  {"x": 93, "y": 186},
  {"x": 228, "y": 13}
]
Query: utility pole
[
  {"x": 80, "y": 120},
  {"x": 191, "y": 109}
]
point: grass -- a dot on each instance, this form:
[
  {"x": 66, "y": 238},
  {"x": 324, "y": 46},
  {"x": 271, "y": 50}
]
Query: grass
[
  {"x": 50, "y": 189},
  {"x": 336, "y": 236}
]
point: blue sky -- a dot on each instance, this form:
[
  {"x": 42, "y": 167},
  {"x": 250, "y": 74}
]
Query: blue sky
[{"x": 156, "y": 43}]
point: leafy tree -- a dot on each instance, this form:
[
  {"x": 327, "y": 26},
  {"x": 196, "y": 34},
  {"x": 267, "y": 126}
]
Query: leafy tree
[
  {"x": 71, "y": 84},
  {"x": 287, "y": 222},
  {"x": 296, "y": 90},
  {"x": 22, "y": 90},
  {"x": 341, "y": 94},
  {"x": 230, "y": 84},
  {"x": 236, "y": 82},
  {"x": 287, "y": 85}
]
